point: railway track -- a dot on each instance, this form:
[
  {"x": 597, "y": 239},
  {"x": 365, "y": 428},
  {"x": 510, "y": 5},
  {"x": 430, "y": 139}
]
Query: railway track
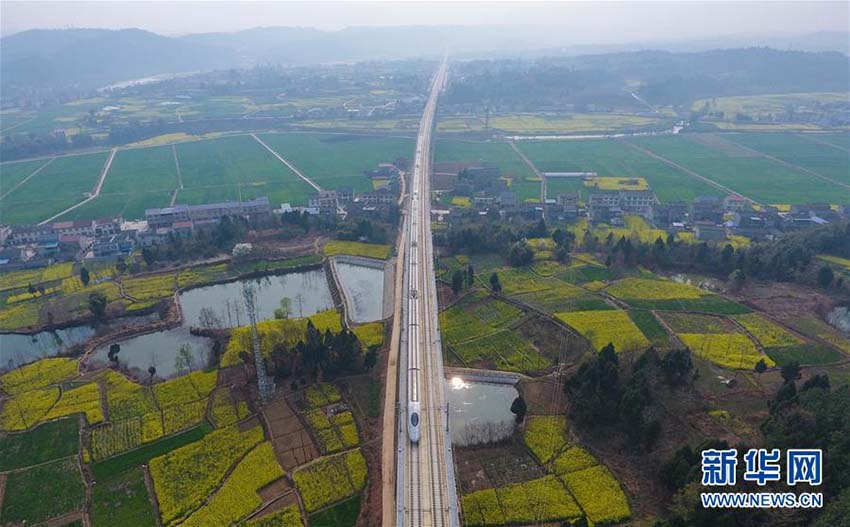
[{"x": 427, "y": 500}]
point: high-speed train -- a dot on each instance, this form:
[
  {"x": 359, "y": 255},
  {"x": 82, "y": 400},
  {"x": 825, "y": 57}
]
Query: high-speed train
[{"x": 413, "y": 373}]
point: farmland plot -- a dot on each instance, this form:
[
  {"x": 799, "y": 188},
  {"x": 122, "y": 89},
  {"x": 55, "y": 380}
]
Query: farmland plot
[
  {"x": 821, "y": 159},
  {"x": 65, "y": 182},
  {"x": 604, "y": 327},
  {"x": 336, "y": 161},
  {"x": 754, "y": 176},
  {"x": 609, "y": 157},
  {"x": 228, "y": 168},
  {"x": 505, "y": 350}
]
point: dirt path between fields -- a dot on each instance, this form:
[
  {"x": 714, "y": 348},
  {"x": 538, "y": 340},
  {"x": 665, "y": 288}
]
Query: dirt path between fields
[{"x": 390, "y": 395}]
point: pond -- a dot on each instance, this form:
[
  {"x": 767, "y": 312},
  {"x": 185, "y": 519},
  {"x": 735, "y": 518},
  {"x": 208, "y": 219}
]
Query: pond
[
  {"x": 479, "y": 412},
  {"x": 22, "y": 349},
  {"x": 158, "y": 349},
  {"x": 308, "y": 293},
  {"x": 17, "y": 349},
  {"x": 364, "y": 291}
]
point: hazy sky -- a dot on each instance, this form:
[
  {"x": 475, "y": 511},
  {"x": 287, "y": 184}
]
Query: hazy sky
[{"x": 585, "y": 21}]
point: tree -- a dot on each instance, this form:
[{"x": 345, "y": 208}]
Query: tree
[
  {"x": 676, "y": 366},
  {"x": 114, "y": 349},
  {"x": 185, "y": 359},
  {"x": 97, "y": 305},
  {"x": 761, "y": 366},
  {"x": 84, "y": 276},
  {"x": 519, "y": 408},
  {"x": 494, "y": 282},
  {"x": 457, "y": 281},
  {"x": 120, "y": 265},
  {"x": 207, "y": 319},
  {"x": 825, "y": 276},
  {"x": 791, "y": 371},
  {"x": 470, "y": 276},
  {"x": 149, "y": 256},
  {"x": 737, "y": 279},
  {"x": 285, "y": 309},
  {"x": 371, "y": 357},
  {"x": 521, "y": 254}
]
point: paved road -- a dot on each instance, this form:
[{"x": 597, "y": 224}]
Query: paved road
[{"x": 425, "y": 493}]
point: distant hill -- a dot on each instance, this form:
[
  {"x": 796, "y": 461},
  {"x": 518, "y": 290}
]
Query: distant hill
[
  {"x": 90, "y": 58},
  {"x": 49, "y": 60}
]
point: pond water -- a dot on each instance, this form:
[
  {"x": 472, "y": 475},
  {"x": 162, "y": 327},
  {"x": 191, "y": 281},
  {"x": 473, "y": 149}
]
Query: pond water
[
  {"x": 364, "y": 291},
  {"x": 22, "y": 349},
  {"x": 157, "y": 349},
  {"x": 308, "y": 293},
  {"x": 479, "y": 412}
]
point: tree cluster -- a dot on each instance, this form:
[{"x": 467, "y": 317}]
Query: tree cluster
[{"x": 328, "y": 353}]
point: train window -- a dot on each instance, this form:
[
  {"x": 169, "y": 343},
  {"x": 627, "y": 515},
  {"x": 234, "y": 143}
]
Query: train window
[{"x": 414, "y": 419}]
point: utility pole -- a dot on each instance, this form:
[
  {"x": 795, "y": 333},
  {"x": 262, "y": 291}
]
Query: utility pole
[{"x": 265, "y": 385}]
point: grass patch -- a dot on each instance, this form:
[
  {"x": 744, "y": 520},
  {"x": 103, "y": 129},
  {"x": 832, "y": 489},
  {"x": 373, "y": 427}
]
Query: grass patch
[
  {"x": 140, "y": 456},
  {"x": 43, "y": 492},
  {"x": 804, "y": 354},
  {"x": 343, "y": 514},
  {"x": 649, "y": 326},
  {"x": 122, "y": 499},
  {"x": 49, "y": 441}
]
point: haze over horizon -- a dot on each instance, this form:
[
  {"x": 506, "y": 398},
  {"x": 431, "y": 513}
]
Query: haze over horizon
[{"x": 576, "y": 22}]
